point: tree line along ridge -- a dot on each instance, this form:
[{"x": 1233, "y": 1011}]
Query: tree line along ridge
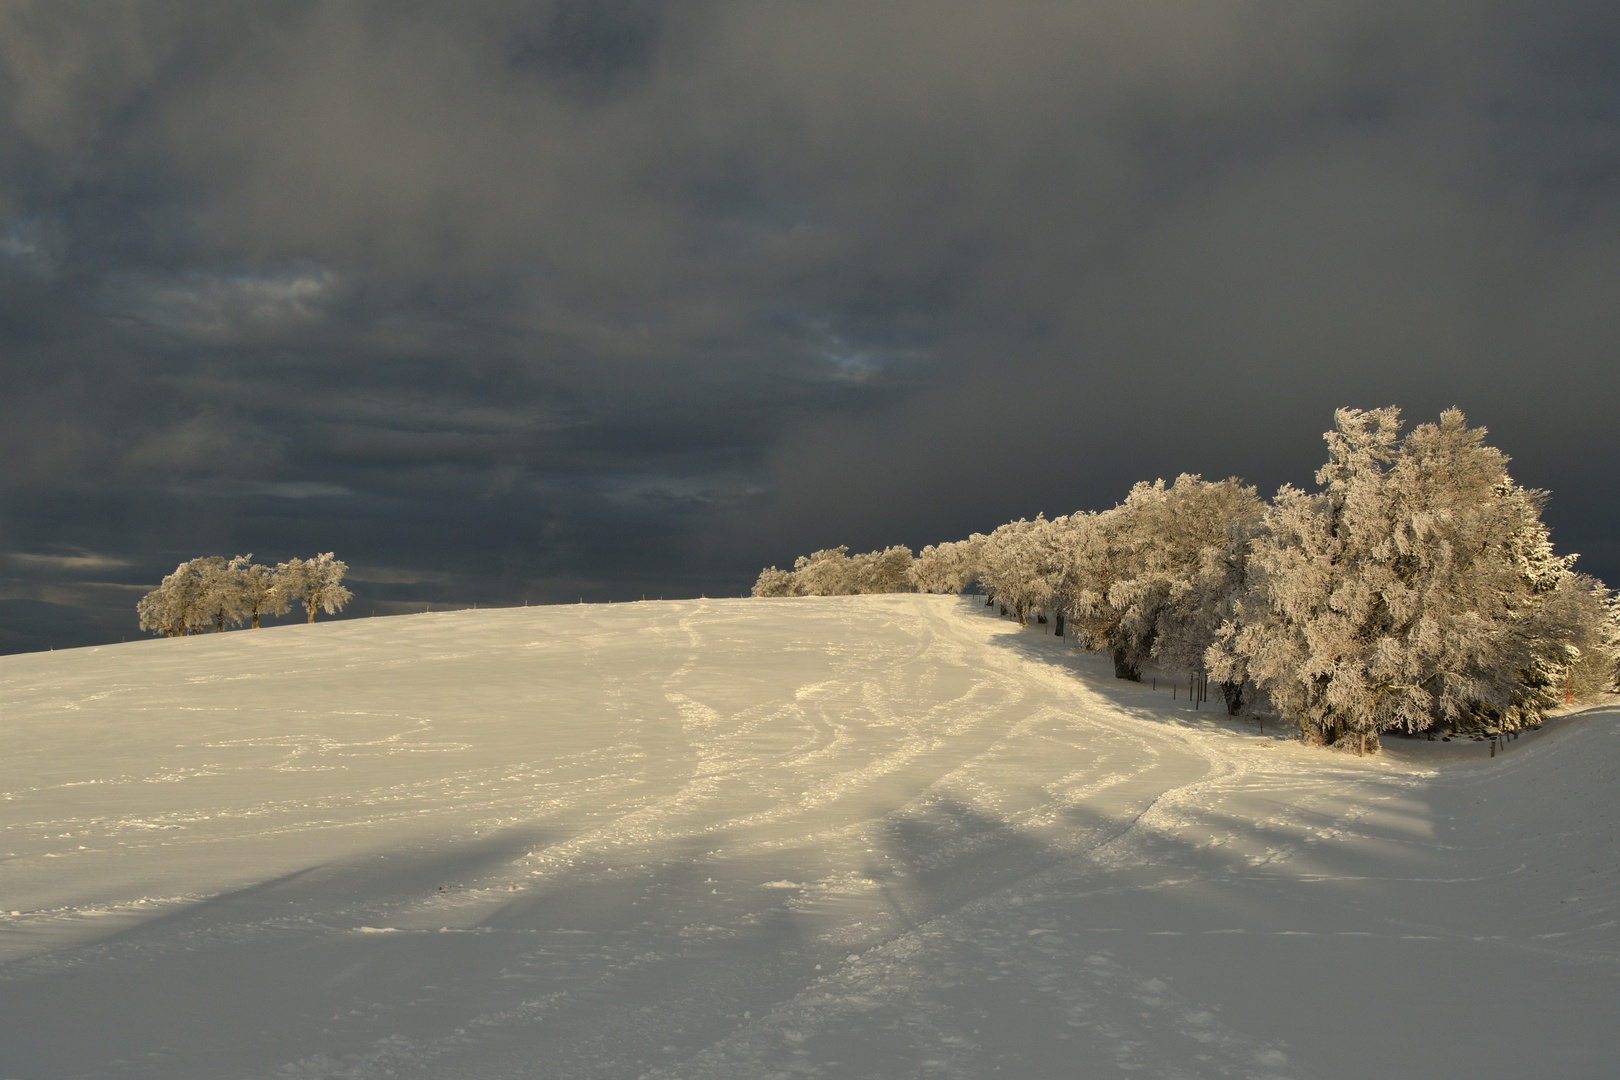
[
  {"x": 1416, "y": 590},
  {"x": 212, "y": 592}
]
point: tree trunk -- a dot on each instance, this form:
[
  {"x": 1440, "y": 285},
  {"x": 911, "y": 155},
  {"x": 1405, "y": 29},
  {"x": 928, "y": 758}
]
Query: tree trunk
[
  {"x": 1233, "y": 693},
  {"x": 1124, "y": 668},
  {"x": 1059, "y": 631},
  {"x": 255, "y": 618}
]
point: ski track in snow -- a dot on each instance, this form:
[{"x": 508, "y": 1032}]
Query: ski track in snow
[{"x": 866, "y": 836}]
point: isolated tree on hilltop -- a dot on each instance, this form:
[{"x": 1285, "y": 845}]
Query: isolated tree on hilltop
[{"x": 316, "y": 583}]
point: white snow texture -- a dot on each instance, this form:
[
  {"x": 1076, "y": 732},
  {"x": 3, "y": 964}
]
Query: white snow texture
[{"x": 867, "y": 836}]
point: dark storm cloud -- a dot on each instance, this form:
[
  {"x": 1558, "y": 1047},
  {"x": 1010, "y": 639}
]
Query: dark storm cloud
[{"x": 546, "y": 300}]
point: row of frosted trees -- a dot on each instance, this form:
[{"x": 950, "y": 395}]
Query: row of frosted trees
[
  {"x": 1416, "y": 589},
  {"x": 212, "y": 592}
]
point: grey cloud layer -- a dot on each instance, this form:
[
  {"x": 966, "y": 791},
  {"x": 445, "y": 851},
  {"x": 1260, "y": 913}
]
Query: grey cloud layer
[{"x": 571, "y": 298}]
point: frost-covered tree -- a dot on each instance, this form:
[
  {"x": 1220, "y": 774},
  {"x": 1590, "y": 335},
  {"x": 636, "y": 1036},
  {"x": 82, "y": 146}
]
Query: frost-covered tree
[
  {"x": 1028, "y": 565},
  {"x": 1413, "y": 589},
  {"x": 262, "y": 590},
  {"x": 1011, "y": 567},
  {"x": 886, "y": 571},
  {"x": 835, "y": 572},
  {"x": 316, "y": 583},
  {"x": 1204, "y": 594},
  {"x": 1131, "y": 565},
  {"x": 174, "y": 608},
  {"x": 1051, "y": 545},
  {"x": 827, "y": 572},
  {"x": 220, "y": 596},
  {"x": 934, "y": 569},
  {"x": 1101, "y": 556},
  {"x": 201, "y": 592},
  {"x": 1417, "y": 587},
  {"x": 211, "y": 591},
  {"x": 949, "y": 567},
  {"x": 774, "y": 582},
  {"x": 1593, "y": 633},
  {"x": 1573, "y": 640}
]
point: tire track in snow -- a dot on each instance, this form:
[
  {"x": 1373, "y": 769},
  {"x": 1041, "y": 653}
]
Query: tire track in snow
[{"x": 926, "y": 803}]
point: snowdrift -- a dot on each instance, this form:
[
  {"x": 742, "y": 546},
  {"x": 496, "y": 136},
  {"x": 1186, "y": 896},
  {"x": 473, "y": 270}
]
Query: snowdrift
[{"x": 877, "y": 836}]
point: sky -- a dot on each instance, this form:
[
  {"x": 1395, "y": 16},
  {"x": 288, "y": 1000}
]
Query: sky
[{"x": 515, "y": 302}]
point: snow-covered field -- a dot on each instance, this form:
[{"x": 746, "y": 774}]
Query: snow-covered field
[{"x": 879, "y": 836}]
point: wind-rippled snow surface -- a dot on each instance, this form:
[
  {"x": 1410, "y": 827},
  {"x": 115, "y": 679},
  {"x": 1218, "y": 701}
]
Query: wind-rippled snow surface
[{"x": 843, "y": 837}]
